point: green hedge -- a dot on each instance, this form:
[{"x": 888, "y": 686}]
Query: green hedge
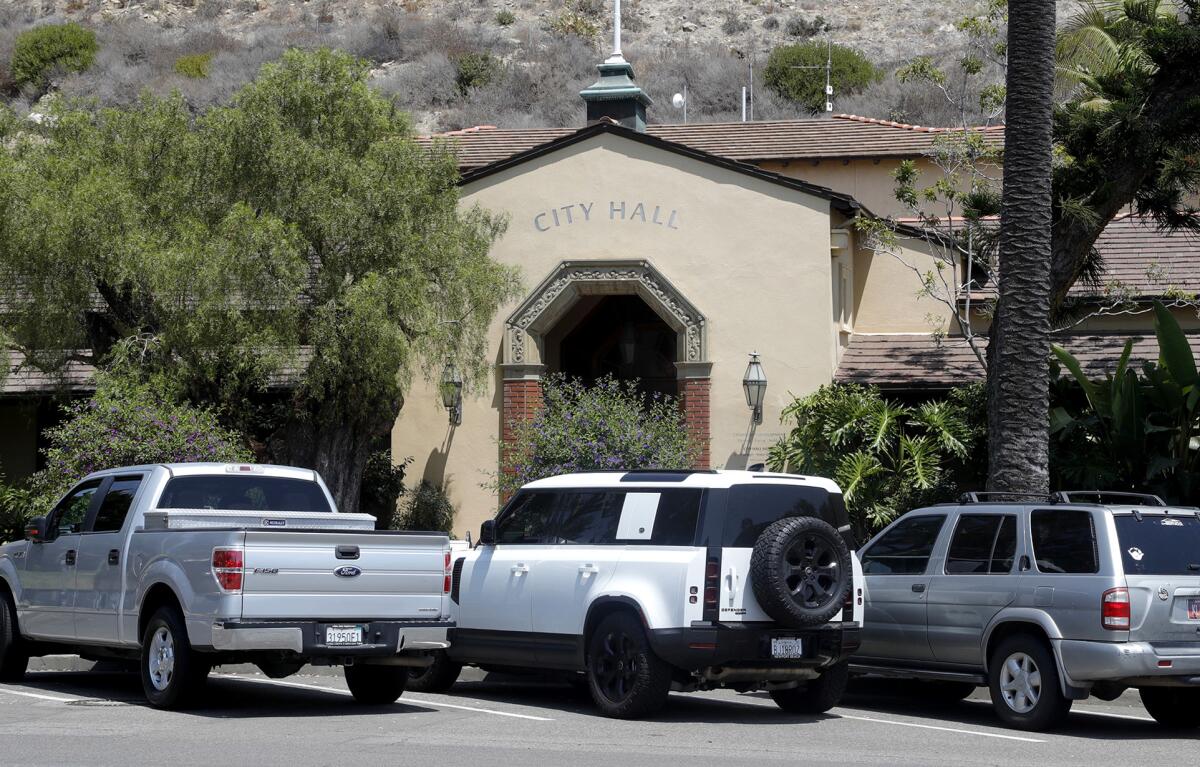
[{"x": 36, "y": 52}]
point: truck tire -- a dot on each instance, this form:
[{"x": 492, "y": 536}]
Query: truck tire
[
  {"x": 626, "y": 679},
  {"x": 1176, "y": 708},
  {"x": 376, "y": 685},
  {"x": 173, "y": 674},
  {"x": 816, "y": 696},
  {"x": 13, "y": 657},
  {"x": 438, "y": 676},
  {"x": 1023, "y": 680},
  {"x": 800, "y": 571}
]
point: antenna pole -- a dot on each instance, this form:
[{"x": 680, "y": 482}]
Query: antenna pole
[
  {"x": 616, "y": 29},
  {"x": 685, "y": 97},
  {"x": 828, "y": 72},
  {"x": 743, "y": 103},
  {"x": 751, "y": 89}
]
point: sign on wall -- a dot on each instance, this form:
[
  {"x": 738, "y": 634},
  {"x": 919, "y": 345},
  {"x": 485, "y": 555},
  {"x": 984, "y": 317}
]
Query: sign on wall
[{"x": 615, "y": 211}]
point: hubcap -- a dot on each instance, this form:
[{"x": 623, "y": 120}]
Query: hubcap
[
  {"x": 615, "y": 667},
  {"x": 161, "y": 662},
  {"x": 1020, "y": 683},
  {"x": 811, "y": 571}
]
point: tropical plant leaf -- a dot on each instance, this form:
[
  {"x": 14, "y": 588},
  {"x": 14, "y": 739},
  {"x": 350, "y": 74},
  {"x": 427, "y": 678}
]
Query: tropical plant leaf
[{"x": 1174, "y": 351}]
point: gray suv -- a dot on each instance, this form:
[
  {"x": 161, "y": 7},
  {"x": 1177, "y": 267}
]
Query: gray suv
[{"x": 1045, "y": 602}]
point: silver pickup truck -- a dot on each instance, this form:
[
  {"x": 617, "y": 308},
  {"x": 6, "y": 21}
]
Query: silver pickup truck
[{"x": 183, "y": 567}]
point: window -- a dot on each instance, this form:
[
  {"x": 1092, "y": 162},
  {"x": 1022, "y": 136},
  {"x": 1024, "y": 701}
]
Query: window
[
  {"x": 1064, "y": 541},
  {"x": 753, "y": 507},
  {"x": 675, "y": 523},
  {"x": 906, "y": 548},
  {"x": 246, "y": 492},
  {"x": 982, "y": 543},
  {"x": 596, "y": 517},
  {"x": 116, "y": 503},
  {"x": 1159, "y": 545},
  {"x": 527, "y": 518},
  {"x": 68, "y": 516},
  {"x": 588, "y": 517}
]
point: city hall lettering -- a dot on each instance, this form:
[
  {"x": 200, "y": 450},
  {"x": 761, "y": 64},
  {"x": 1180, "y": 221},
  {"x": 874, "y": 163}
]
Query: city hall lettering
[{"x": 616, "y": 210}]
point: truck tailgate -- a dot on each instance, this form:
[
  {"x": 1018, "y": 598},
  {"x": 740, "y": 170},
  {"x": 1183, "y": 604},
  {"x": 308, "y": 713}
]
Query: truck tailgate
[{"x": 344, "y": 575}]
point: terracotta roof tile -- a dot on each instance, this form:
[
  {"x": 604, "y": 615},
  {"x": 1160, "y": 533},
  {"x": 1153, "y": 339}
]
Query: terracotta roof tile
[
  {"x": 842, "y": 136},
  {"x": 919, "y": 361}
]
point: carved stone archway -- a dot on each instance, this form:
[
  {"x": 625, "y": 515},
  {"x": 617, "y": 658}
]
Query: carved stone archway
[{"x": 526, "y": 329}]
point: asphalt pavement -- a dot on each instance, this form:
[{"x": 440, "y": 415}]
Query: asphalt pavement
[{"x": 61, "y": 716}]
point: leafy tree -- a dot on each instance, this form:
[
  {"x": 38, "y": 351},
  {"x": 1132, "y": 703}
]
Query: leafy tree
[
  {"x": 1018, "y": 377},
  {"x": 17, "y": 506},
  {"x": 851, "y": 72},
  {"x": 886, "y": 456},
  {"x": 39, "y": 51},
  {"x": 296, "y": 240},
  {"x": 474, "y": 70},
  {"x": 427, "y": 507},
  {"x": 607, "y": 425}
]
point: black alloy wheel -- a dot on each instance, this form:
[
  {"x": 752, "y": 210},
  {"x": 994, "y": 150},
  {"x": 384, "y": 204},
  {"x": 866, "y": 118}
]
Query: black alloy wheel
[
  {"x": 813, "y": 571},
  {"x": 626, "y": 678}
]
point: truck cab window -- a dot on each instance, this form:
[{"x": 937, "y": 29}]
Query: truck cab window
[
  {"x": 68, "y": 516},
  {"x": 110, "y": 518}
]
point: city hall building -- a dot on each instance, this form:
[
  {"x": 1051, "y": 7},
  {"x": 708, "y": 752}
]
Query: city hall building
[{"x": 670, "y": 253}]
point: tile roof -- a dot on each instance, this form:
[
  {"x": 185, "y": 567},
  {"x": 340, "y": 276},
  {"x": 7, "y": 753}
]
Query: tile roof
[
  {"x": 919, "y": 361},
  {"x": 1141, "y": 260},
  {"x": 842, "y": 136}
]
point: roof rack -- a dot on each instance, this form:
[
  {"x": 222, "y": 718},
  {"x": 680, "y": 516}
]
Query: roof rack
[
  {"x": 982, "y": 496},
  {"x": 1140, "y": 499},
  {"x": 660, "y": 475}
]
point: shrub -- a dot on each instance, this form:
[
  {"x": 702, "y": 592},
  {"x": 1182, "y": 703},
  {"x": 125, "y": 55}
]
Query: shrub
[
  {"x": 428, "y": 507},
  {"x": 572, "y": 22},
  {"x": 39, "y": 51},
  {"x": 506, "y": 18},
  {"x": 126, "y": 423},
  {"x": 382, "y": 486},
  {"x": 887, "y": 457},
  {"x": 770, "y": 23},
  {"x": 733, "y": 24},
  {"x": 474, "y": 70},
  {"x": 608, "y": 425},
  {"x": 194, "y": 65},
  {"x": 852, "y": 72},
  {"x": 798, "y": 26},
  {"x": 16, "y": 507}
]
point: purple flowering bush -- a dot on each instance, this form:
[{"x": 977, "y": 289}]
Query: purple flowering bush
[
  {"x": 606, "y": 425},
  {"x": 127, "y": 423}
]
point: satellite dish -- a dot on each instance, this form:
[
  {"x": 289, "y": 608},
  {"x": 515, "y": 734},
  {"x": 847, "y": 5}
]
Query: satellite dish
[{"x": 677, "y": 101}]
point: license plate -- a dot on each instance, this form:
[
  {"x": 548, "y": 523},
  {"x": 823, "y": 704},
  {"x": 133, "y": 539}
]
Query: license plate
[
  {"x": 343, "y": 635},
  {"x": 1194, "y": 609},
  {"x": 786, "y": 648}
]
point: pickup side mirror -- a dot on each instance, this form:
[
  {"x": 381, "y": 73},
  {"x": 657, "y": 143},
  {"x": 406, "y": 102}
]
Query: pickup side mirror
[
  {"x": 35, "y": 530},
  {"x": 487, "y": 533}
]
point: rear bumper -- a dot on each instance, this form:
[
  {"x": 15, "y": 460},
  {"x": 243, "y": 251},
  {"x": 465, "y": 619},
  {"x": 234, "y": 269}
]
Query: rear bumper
[
  {"x": 748, "y": 645},
  {"x": 307, "y": 638},
  {"x": 1133, "y": 663}
]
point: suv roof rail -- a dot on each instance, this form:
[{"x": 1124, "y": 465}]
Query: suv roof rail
[
  {"x": 982, "y": 496},
  {"x": 1140, "y": 499},
  {"x": 661, "y": 475}
]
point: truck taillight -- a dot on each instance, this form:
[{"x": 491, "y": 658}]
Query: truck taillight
[
  {"x": 1114, "y": 609},
  {"x": 227, "y": 567},
  {"x": 446, "y": 580}
]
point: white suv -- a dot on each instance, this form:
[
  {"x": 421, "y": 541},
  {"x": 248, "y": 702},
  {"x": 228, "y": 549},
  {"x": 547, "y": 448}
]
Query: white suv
[{"x": 652, "y": 581}]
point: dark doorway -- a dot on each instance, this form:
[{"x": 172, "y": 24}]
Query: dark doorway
[{"x": 621, "y": 336}]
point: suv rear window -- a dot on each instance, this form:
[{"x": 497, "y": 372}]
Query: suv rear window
[
  {"x": 243, "y": 493},
  {"x": 753, "y": 507},
  {"x": 1064, "y": 541},
  {"x": 1159, "y": 545}
]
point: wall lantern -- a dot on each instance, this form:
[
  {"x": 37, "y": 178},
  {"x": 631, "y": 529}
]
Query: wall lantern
[
  {"x": 451, "y": 389},
  {"x": 628, "y": 343},
  {"x": 755, "y": 384}
]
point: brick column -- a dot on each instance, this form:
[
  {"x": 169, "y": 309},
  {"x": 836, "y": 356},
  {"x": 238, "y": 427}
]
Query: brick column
[
  {"x": 522, "y": 401},
  {"x": 695, "y": 383}
]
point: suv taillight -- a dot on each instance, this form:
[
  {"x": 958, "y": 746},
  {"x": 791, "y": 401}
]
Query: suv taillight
[
  {"x": 712, "y": 583},
  {"x": 227, "y": 567},
  {"x": 1114, "y": 609}
]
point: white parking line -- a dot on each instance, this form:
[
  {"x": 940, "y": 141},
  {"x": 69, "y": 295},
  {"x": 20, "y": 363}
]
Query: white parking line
[
  {"x": 1084, "y": 711},
  {"x": 39, "y": 696},
  {"x": 405, "y": 699}
]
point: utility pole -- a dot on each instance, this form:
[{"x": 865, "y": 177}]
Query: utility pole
[{"x": 828, "y": 72}]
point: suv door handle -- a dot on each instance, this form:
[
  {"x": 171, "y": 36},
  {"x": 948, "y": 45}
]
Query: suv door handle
[
  {"x": 114, "y": 557},
  {"x": 70, "y": 558},
  {"x": 520, "y": 569},
  {"x": 589, "y": 569},
  {"x": 918, "y": 588}
]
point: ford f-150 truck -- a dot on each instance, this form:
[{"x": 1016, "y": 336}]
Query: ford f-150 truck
[{"x": 183, "y": 567}]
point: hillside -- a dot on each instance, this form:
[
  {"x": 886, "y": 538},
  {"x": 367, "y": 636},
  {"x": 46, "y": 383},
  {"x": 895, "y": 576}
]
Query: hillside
[{"x": 538, "y": 53}]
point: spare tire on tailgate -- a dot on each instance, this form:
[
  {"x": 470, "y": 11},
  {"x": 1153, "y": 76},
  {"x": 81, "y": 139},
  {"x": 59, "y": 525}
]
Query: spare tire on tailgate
[{"x": 800, "y": 571}]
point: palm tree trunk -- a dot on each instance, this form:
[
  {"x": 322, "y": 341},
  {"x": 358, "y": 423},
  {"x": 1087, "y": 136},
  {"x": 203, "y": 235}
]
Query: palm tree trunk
[{"x": 1018, "y": 369}]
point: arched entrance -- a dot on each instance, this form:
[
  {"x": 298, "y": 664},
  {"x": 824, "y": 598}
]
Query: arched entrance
[{"x": 589, "y": 318}]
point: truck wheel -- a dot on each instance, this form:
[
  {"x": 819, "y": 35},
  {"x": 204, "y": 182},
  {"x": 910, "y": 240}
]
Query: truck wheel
[
  {"x": 438, "y": 676},
  {"x": 1176, "y": 708},
  {"x": 800, "y": 571},
  {"x": 376, "y": 685},
  {"x": 626, "y": 679},
  {"x": 13, "y": 657},
  {"x": 1023, "y": 679},
  {"x": 173, "y": 674},
  {"x": 816, "y": 696}
]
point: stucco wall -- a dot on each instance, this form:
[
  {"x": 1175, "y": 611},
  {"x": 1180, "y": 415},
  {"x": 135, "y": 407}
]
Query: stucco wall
[
  {"x": 889, "y": 291},
  {"x": 868, "y": 181},
  {"x": 752, "y": 256}
]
